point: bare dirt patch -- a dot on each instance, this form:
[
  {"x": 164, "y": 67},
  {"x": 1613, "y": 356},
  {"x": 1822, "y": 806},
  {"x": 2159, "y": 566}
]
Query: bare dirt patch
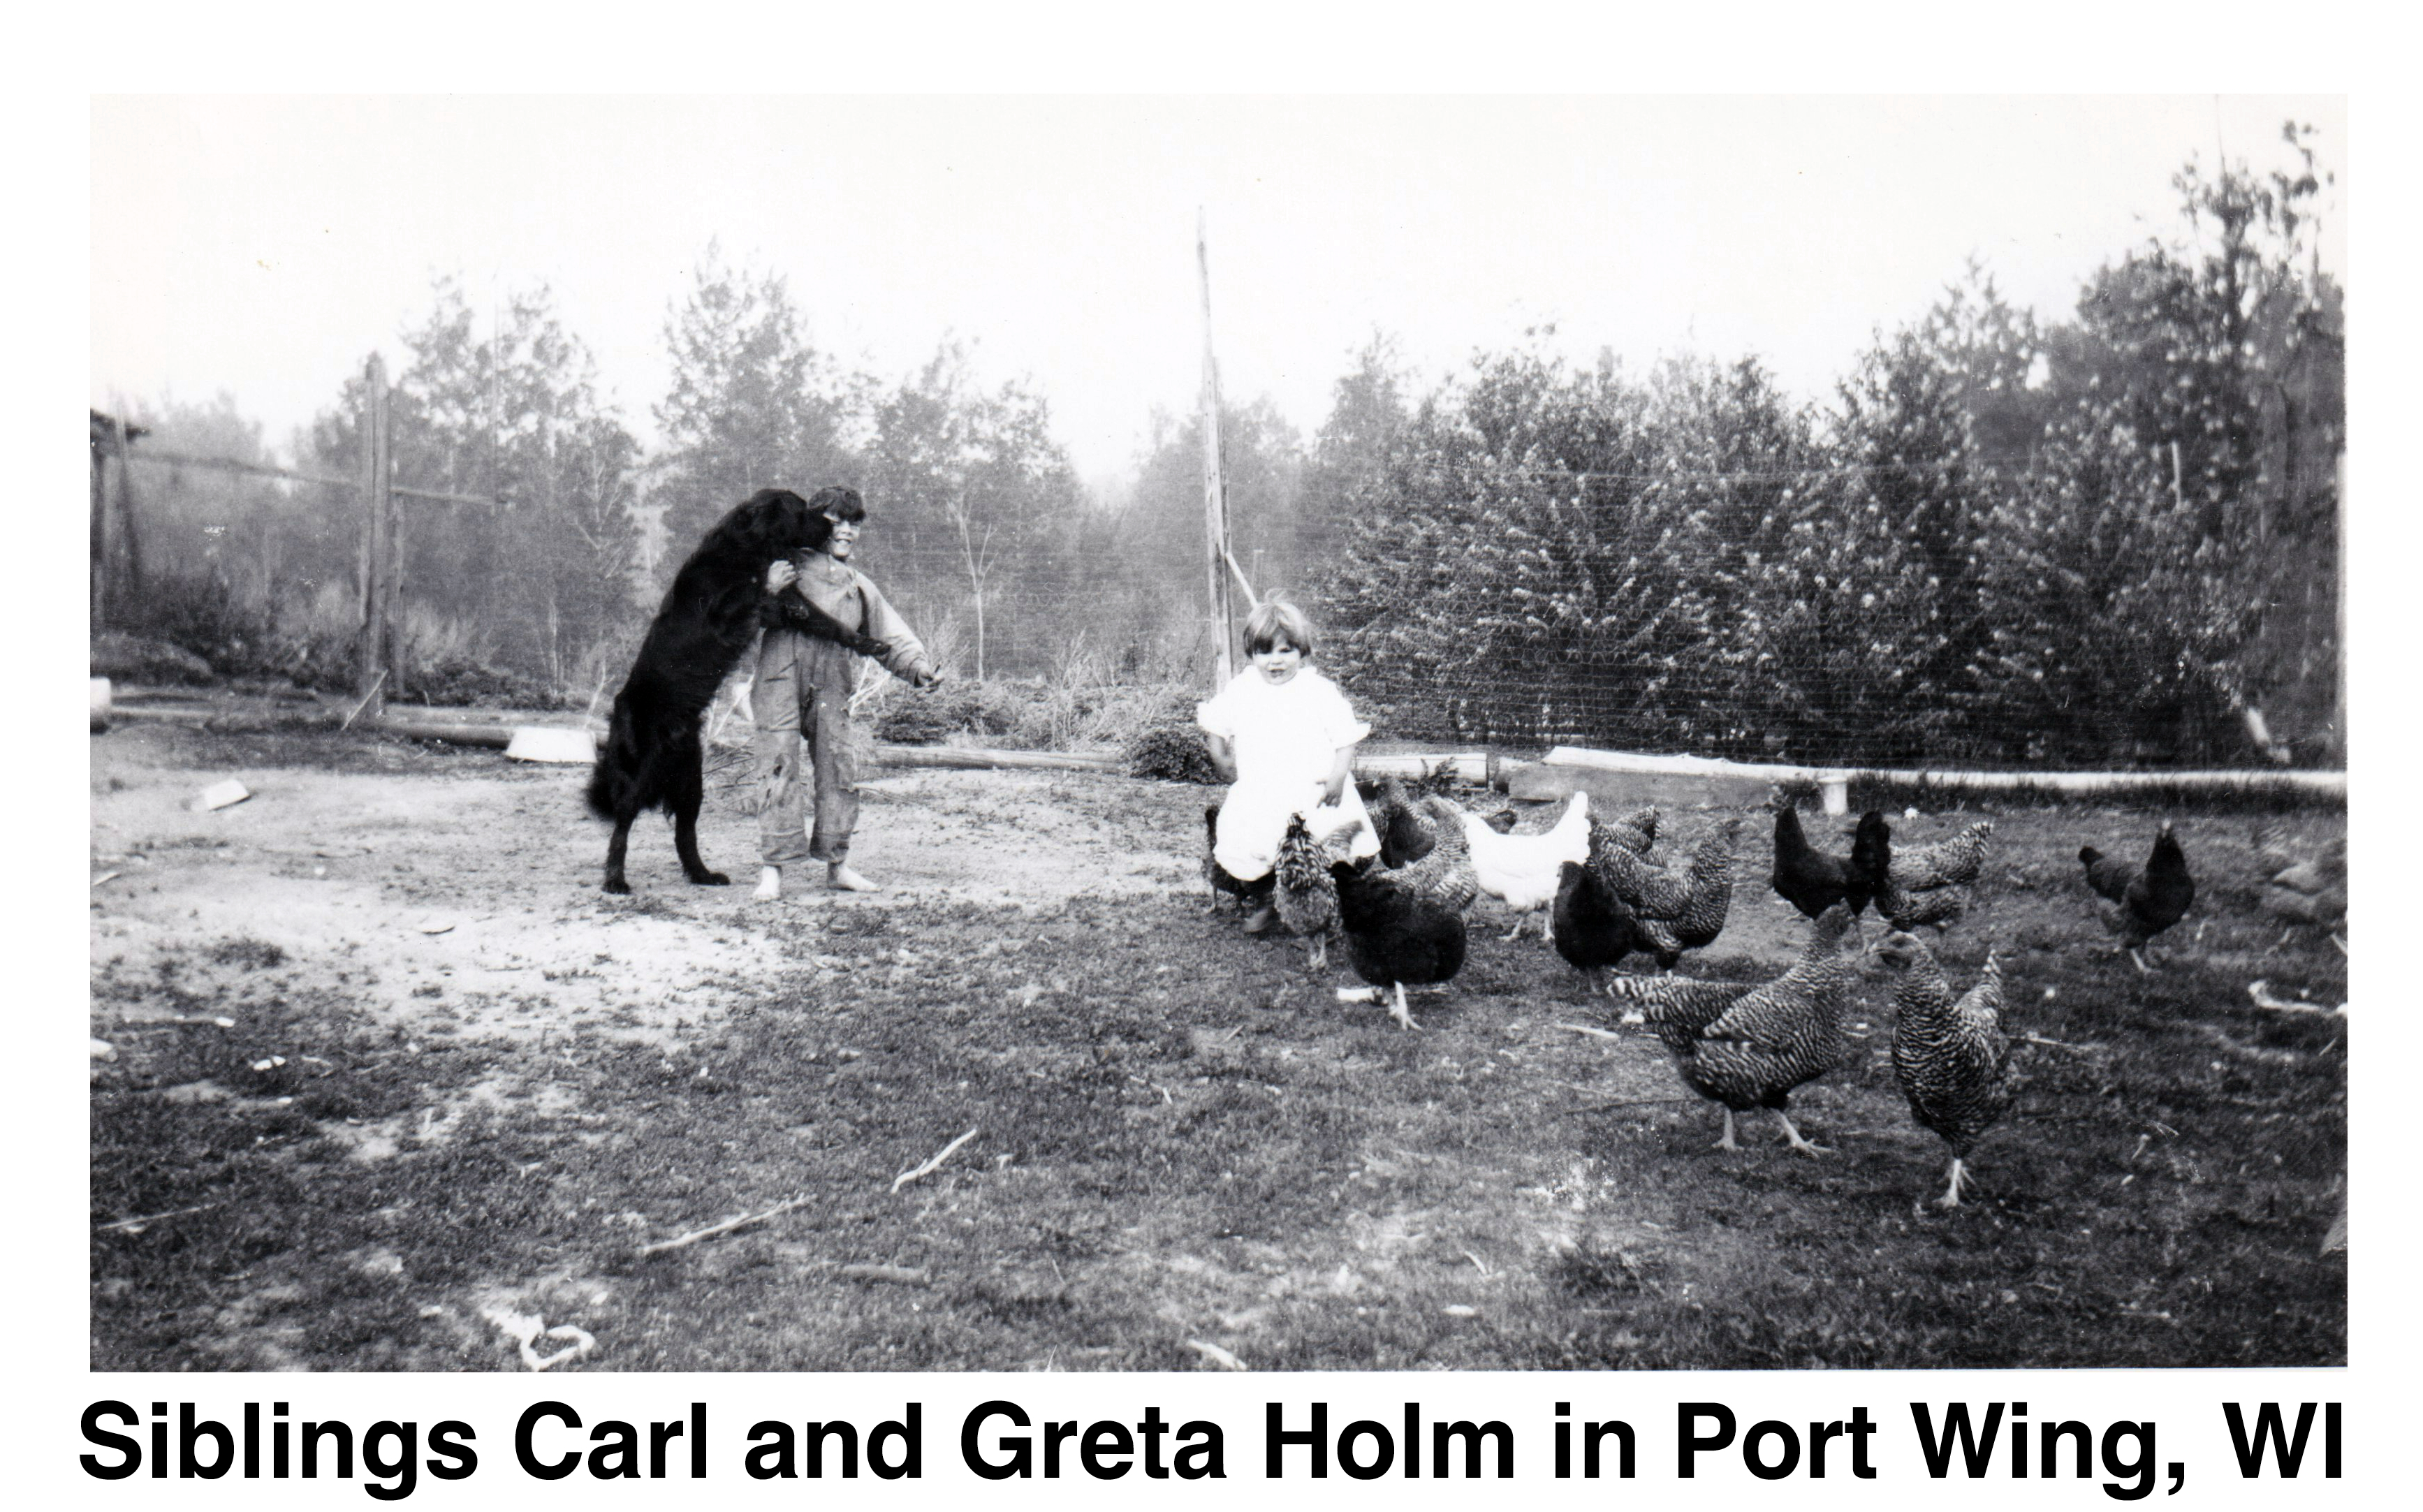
[{"x": 459, "y": 1077}]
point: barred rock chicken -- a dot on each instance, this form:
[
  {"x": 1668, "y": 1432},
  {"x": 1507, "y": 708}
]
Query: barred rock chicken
[
  {"x": 1406, "y": 835},
  {"x": 1679, "y": 1006},
  {"x": 1813, "y": 881},
  {"x": 1593, "y": 929},
  {"x": 1636, "y": 832},
  {"x": 1443, "y": 872},
  {"x": 1952, "y": 862},
  {"x": 1306, "y": 894},
  {"x": 1711, "y": 880},
  {"x": 2144, "y": 900},
  {"x": 1676, "y": 913},
  {"x": 1521, "y": 870},
  {"x": 1905, "y": 903},
  {"x": 1774, "y": 1037},
  {"x": 1951, "y": 1055},
  {"x": 1395, "y": 933}
]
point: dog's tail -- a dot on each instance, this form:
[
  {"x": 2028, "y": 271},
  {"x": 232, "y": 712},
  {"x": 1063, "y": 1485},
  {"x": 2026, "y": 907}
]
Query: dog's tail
[{"x": 612, "y": 773}]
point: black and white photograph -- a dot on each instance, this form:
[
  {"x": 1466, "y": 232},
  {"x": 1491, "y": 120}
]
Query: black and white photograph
[{"x": 1170, "y": 734}]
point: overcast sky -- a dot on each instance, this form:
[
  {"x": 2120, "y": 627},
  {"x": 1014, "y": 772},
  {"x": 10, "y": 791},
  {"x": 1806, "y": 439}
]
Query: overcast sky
[{"x": 265, "y": 246}]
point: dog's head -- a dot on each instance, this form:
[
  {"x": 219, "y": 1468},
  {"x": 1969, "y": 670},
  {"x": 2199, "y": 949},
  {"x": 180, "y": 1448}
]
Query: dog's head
[{"x": 776, "y": 522}]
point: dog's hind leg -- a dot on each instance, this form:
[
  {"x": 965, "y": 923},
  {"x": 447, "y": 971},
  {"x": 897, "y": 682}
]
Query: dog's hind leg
[{"x": 689, "y": 793}]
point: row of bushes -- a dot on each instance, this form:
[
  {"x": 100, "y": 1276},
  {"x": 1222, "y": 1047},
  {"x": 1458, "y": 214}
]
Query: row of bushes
[{"x": 195, "y": 633}]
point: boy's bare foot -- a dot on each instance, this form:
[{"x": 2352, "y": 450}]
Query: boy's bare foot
[
  {"x": 843, "y": 879},
  {"x": 1262, "y": 920},
  {"x": 770, "y": 883}
]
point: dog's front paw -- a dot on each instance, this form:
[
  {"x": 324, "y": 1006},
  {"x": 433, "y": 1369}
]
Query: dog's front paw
[
  {"x": 616, "y": 885},
  {"x": 710, "y": 879}
]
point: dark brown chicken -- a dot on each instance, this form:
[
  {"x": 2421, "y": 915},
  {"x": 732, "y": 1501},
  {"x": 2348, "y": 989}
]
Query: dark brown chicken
[
  {"x": 1810, "y": 879},
  {"x": 1590, "y": 926},
  {"x": 2145, "y": 899},
  {"x": 1395, "y": 935}
]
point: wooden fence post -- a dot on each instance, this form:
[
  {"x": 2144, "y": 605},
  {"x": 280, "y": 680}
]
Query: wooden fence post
[
  {"x": 100, "y": 605},
  {"x": 378, "y": 539},
  {"x": 1215, "y": 500},
  {"x": 132, "y": 589}
]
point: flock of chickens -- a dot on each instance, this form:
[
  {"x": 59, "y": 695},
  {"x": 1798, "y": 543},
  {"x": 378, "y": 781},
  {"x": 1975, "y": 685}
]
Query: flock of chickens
[{"x": 1743, "y": 1046}]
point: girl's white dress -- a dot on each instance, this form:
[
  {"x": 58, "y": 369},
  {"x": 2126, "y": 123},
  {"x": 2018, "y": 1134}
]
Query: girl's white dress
[{"x": 1286, "y": 738}]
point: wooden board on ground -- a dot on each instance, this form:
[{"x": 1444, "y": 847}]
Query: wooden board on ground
[
  {"x": 552, "y": 742},
  {"x": 1615, "y": 793}
]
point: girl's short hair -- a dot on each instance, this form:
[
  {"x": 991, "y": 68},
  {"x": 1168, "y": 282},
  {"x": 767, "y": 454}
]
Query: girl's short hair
[
  {"x": 1277, "y": 619},
  {"x": 839, "y": 502}
]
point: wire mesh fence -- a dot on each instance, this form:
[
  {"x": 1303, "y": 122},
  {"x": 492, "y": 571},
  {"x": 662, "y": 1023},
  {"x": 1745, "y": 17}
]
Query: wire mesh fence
[{"x": 1756, "y": 616}]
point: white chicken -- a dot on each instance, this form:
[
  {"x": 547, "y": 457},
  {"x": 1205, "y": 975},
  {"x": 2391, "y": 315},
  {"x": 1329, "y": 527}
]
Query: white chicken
[{"x": 1521, "y": 870}]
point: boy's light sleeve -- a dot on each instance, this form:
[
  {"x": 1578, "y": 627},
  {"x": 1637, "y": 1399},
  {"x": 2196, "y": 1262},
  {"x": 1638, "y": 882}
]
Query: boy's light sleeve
[{"x": 909, "y": 660}]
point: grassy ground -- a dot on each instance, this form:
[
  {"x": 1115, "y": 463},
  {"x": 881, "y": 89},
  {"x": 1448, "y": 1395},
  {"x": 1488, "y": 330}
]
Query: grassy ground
[{"x": 1182, "y": 1137}]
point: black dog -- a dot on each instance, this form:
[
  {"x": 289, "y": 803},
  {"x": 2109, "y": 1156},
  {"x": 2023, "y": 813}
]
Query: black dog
[{"x": 652, "y": 757}]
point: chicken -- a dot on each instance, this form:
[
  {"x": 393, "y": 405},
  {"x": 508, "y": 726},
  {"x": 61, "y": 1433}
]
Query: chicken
[
  {"x": 1951, "y": 1057},
  {"x": 1807, "y": 877},
  {"x": 1395, "y": 935},
  {"x": 1775, "y": 1037},
  {"x": 1593, "y": 927},
  {"x": 1636, "y": 832},
  {"x": 1306, "y": 894},
  {"x": 1521, "y": 870},
  {"x": 1443, "y": 872},
  {"x": 1901, "y": 904},
  {"x": 1952, "y": 862},
  {"x": 1404, "y": 835},
  {"x": 2273, "y": 852},
  {"x": 2312, "y": 890},
  {"x": 1676, "y": 913},
  {"x": 1680, "y": 1007},
  {"x": 1216, "y": 874},
  {"x": 1710, "y": 878},
  {"x": 2144, "y": 900}
]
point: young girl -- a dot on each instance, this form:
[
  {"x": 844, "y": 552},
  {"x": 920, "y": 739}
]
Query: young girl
[{"x": 1285, "y": 737}]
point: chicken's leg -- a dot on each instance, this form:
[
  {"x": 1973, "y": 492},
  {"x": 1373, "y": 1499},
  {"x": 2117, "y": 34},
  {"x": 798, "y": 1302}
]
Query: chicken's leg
[
  {"x": 1402, "y": 1013},
  {"x": 1952, "y": 1198},
  {"x": 1727, "y": 1143},
  {"x": 1794, "y": 1135}
]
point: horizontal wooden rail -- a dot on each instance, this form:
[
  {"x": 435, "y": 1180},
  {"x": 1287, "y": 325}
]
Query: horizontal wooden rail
[
  {"x": 2070, "y": 784},
  {"x": 260, "y": 469}
]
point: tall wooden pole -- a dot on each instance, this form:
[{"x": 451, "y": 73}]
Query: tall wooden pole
[
  {"x": 132, "y": 591},
  {"x": 1215, "y": 500},
  {"x": 378, "y": 538},
  {"x": 99, "y": 606}
]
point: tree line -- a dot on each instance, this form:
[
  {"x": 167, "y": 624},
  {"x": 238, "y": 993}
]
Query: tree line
[{"x": 2095, "y": 539}]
